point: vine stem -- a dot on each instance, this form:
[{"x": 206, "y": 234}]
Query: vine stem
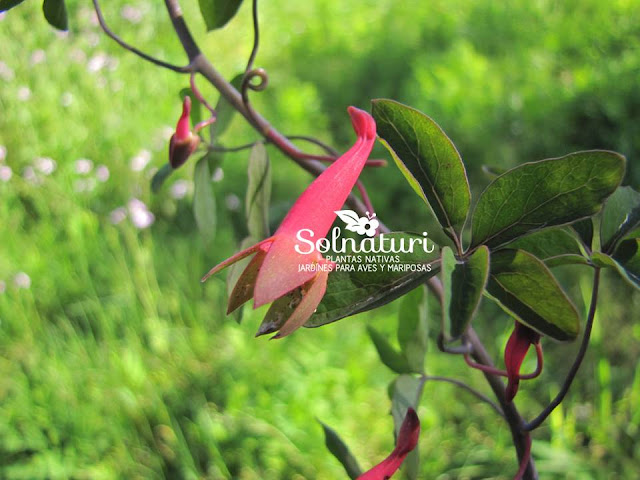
[{"x": 571, "y": 375}]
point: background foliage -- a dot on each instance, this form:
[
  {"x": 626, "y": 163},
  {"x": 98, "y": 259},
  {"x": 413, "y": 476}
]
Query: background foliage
[{"x": 117, "y": 362}]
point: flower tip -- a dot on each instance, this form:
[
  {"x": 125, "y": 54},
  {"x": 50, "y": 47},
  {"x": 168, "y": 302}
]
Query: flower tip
[{"x": 363, "y": 123}]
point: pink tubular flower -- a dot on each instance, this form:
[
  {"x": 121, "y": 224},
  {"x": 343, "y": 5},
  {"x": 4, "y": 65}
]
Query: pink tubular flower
[
  {"x": 515, "y": 351},
  {"x": 183, "y": 142},
  {"x": 277, "y": 267},
  {"x": 407, "y": 441}
]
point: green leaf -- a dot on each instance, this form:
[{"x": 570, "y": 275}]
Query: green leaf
[
  {"x": 258, "y": 192},
  {"x": 372, "y": 284},
  {"x": 224, "y": 112},
  {"x": 525, "y": 288},
  {"x": 627, "y": 256},
  {"x": 9, "y": 4},
  {"x": 493, "y": 171},
  {"x": 463, "y": 283},
  {"x": 566, "y": 260},
  {"x": 427, "y": 158},
  {"x": 542, "y": 194},
  {"x": 216, "y": 13},
  {"x": 160, "y": 176},
  {"x": 549, "y": 243},
  {"x": 339, "y": 449},
  {"x": 389, "y": 355},
  {"x": 55, "y": 12},
  {"x": 413, "y": 328},
  {"x": 584, "y": 229},
  {"x": 204, "y": 200},
  {"x": 620, "y": 215}
]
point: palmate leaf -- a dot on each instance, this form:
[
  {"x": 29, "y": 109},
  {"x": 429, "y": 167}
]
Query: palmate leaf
[
  {"x": 542, "y": 194},
  {"x": 427, "y": 158},
  {"x": 217, "y": 13},
  {"x": 463, "y": 283},
  {"x": 525, "y": 288}
]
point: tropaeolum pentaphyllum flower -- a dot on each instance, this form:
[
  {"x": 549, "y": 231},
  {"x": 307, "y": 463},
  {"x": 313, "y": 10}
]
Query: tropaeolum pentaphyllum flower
[
  {"x": 406, "y": 441},
  {"x": 277, "y": 267},
  {"x": 517, "y": 347},
  {"x": 183, "y": 142}
]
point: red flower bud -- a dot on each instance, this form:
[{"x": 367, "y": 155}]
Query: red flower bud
[
  {"x": 406, "y": 441},
  {"x": 515, "y": 351},
  {"x": 183, "y": 142}
]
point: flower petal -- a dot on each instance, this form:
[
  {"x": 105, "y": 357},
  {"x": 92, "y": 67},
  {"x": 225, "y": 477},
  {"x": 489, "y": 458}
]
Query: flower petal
[
  {"x": 243, "y": 289},
  {"x": 517, "y": 347},
  {"x": 310, "y": 300},
  {"x": 407, "y": 441},
  {"x": 263, "y": 245}
]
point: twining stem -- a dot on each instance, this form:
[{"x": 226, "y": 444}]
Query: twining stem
[{"x": 536, "y": 422}]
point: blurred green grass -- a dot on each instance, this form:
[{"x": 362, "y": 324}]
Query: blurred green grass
[{"x": 117, "y": 363}]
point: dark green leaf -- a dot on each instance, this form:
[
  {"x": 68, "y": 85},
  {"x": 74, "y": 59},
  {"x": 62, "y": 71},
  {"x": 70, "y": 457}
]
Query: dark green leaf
[
  {"x": 258, "y": 192},
  {"x": 55, "y": 12},
  {"x": 427, "y": 158},
  {"x": 549, "y": 243},
  {"x": 413, "y": 328},
  {"x": 620, "y": 215},
  {"x": 372, "y": 284},
  {"x": 216, "y": 13},
  {"x": 389, "y": 355},
  {"x": 566, "y": 260},
  {"x": 160, "y": 176},
  {"x": 204, "y": 200},
  {"x": 463, "y": 283},
  {"x": 8, "y": 4},
  {"x": 543, "y": 194},
  {"x": 224, "y": 112},
  {"x": 340, "y": 450},
  {"x": 526, "y": 289},
  {"x": 584, "y": 229},
  {"x": 627, "y": 256},
  {"x": 196, "y": 106}
]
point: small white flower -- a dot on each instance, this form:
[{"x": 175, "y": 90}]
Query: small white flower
[
  {"x": 83, "y": 166},
  {"x": 140, "y": 215},
  {"x": 24, "y": 93},
  {"x": 131, "y": 13},
  {"x": 232, "y": 202},
  {"x": 180, "y": 188},
  {"x": 5, "y": 173},
  {"x": 218, "y": 175},
  {"x": 118, "y": 215},
  {"x": 102, "y": 173},
  {"x": 30, "y": 175},
  {"x": 22, "y": 280},
  {"x": 140, "y": 160},
  {"x": 97, "y": 62},
  {"x": 6, "y": 72},
  {"x": 38, "y": 56},
  {"x": 3, "y": 153},
  {"x": 66, "y": 99},
  {"x": 46, "y": 165}
]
